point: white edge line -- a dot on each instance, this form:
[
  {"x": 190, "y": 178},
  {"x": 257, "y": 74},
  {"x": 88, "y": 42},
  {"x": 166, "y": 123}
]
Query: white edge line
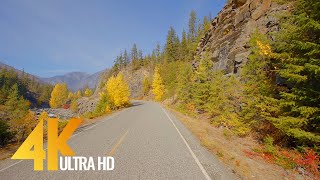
[
  {"x": 190, "y": 150},
  {"x": 11, "y": 165}
]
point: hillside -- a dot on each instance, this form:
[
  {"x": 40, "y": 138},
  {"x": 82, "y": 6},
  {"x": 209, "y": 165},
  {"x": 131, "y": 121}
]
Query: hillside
[
  {"x": 20, "y": 73},
  {"x": 32, "y": 88}
]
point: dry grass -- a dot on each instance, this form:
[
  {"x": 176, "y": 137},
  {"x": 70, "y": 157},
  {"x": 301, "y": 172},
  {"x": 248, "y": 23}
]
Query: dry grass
[{"x": 231, "y": 149}]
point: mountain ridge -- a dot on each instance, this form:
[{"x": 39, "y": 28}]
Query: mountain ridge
[{"x": 75, "y": 80}]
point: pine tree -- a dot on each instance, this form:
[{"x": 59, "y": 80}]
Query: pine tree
[
  {"x": 184, "y": 47},
  {"x": 5, "y": 134},
  {"x": 158, "y": 88},
  {"x": 224, "y": 102},
  {"x": 140, "y": 58},
  {"x": 298, "y": 53},
  {"x": 172, "y": 46},
  {"x": 59, "y": 95},
  {"x": 203, "y": 77},
  {"x": 184, "y": 83},
  {"x": 126, "y": 60},
  {"x": 134, "y": 57},
  {"x": 192, "y": 33},
  {"x": 260, "y": 91},
  {"x": 16, "y": 107},
  {"x": 146, "y": 86},
  {"x": 158, "y": 52}
]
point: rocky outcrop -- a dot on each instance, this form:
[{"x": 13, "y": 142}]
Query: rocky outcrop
[
  {"x": 87, "y": 104},
  {"x": 135, "y": 80},
  {"x": 227, "y": 41}
]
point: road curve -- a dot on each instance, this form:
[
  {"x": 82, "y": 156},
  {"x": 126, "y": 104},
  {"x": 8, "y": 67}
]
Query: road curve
[{"x": 147, "y": 142}]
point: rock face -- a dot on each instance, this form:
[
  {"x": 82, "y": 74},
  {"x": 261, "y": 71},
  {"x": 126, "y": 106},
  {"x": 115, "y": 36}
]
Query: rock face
[
  {"x": 86, "y": 104},
  {"x": 227, "y": 41},
  {"x": 135, "y": 81}
]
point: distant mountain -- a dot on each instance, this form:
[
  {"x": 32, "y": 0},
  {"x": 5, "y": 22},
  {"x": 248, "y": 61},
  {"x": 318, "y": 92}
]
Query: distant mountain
[{"x": 75, "y": 80}]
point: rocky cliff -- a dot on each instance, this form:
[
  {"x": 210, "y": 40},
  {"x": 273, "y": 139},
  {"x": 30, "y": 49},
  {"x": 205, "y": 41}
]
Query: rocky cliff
[{"x": 227, "y": 41}]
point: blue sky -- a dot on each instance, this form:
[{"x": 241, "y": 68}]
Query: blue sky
[{"x": 54, "y": 37}]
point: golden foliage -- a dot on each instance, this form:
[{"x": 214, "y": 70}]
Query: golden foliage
[
  {"x": 265, "y": 49},
  {"x": 158, "y": 88},
  {"x": 88, "y": 92},
  {"x": 118, "y": 91},
  {"x": 59, "y": 95}
]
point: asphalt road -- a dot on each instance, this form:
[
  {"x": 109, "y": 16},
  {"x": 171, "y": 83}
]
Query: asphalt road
[{"x": 146, "y": 141}]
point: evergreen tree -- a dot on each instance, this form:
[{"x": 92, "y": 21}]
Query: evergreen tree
[
  {"x": 298, "y": 52},
  {"x": 184, "y": 47},
  {"x": 260, "y": 98},
  {"x": 184, "y": 83},
  {"x": 172, "y": 46},
  {"x": 201, "y": 86},
  {"x": 134, "y": 57},
  {"x": 146, "y": 86},
  {"x": 158, "y": 52},
  {"x": 126, "y": 59},
  {"x": 140, "y": 58},
  {"x": 5, "y": 134},
  {"x": 193, "y": 27},
  {"x": 192, "y": 35},
  {"x": 16, "y": 106}
]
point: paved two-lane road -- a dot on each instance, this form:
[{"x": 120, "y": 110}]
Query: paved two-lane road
[{"x": 146, "y": 141}]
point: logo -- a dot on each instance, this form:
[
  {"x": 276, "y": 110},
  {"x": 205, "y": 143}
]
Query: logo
[{"x": 32, "y": 147}]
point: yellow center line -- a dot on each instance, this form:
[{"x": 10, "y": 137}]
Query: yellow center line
[{"x": 116, "y": 146}]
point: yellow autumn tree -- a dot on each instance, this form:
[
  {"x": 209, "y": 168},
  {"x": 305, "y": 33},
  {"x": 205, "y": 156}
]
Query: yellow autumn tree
[
  {"x": 78, "y": 94},
  {"x": 59, "y": 95},
  {"x": 88, "y": 92},
  {"x": 70, "y": 95},
  {"x": 158, "y": 88},
  {"x": 118, "y": 91}
]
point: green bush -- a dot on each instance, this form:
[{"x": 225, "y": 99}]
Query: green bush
[{"x": 5, "y": 134}]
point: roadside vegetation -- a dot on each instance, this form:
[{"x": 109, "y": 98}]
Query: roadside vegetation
[
  {"x": 115, "y": 95},
  {"x": 275, "y": 97}
]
